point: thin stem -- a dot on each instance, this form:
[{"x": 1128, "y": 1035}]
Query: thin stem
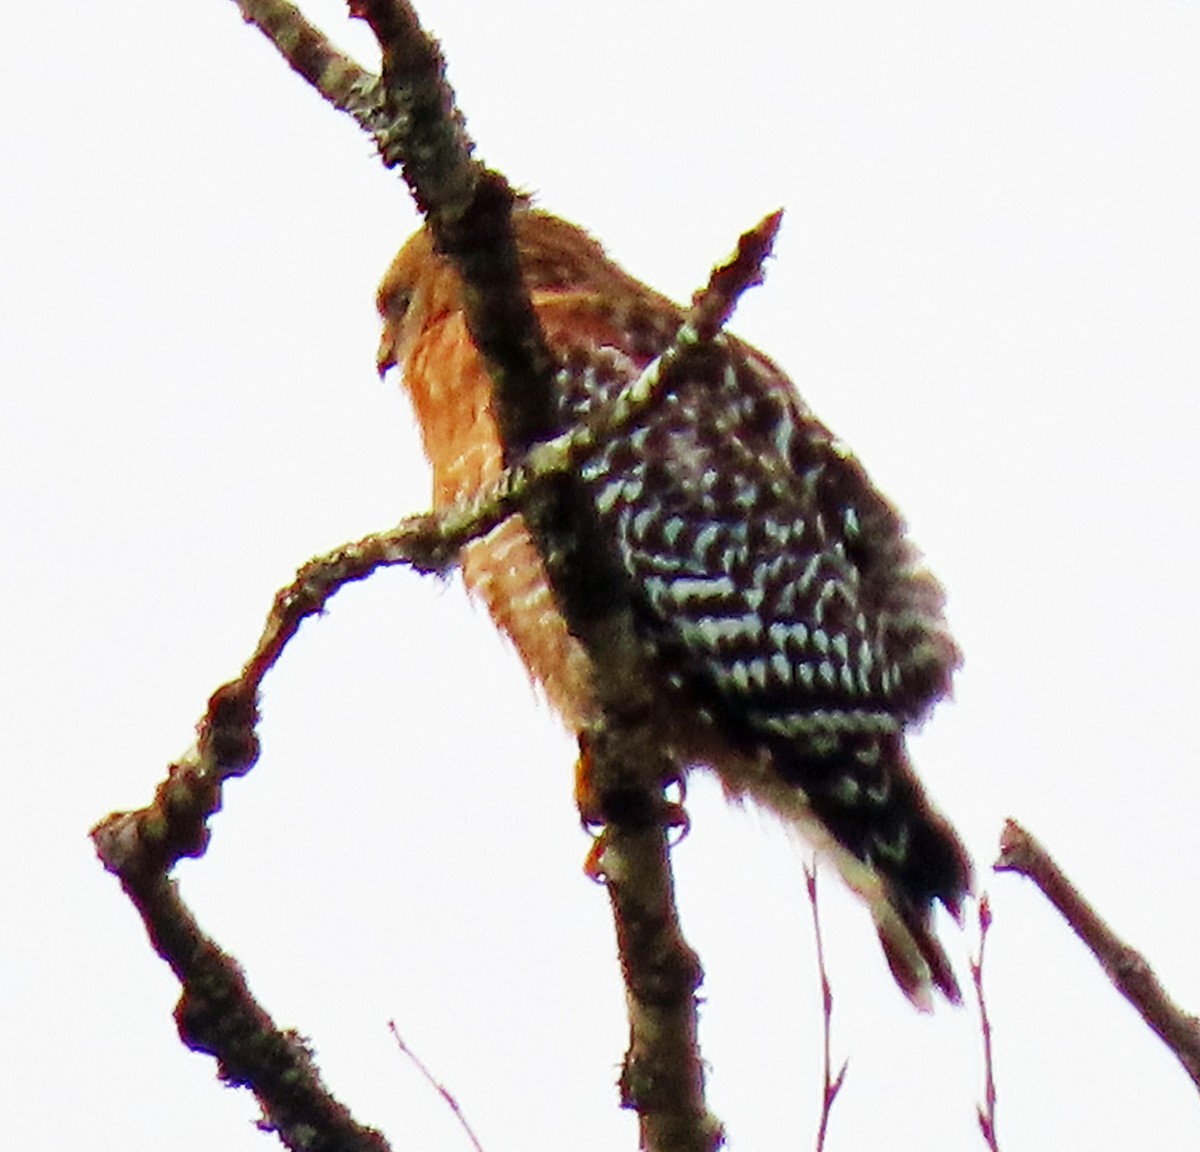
[
  {"x": 831, "y": 1085},
  {"x": 436, "y": 1085},
  {"x": 986, "y": 1112}
]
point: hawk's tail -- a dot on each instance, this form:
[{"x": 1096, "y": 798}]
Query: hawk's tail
[
  {"x": 915, "y": 955},
  {"x": 894, "y": 849}
]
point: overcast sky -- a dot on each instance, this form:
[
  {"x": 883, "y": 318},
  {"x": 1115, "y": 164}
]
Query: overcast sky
[{"x": 988, "y": 283}]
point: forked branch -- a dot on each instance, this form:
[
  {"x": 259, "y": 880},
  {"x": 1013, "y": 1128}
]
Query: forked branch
[{"x": 411, "y": 114}]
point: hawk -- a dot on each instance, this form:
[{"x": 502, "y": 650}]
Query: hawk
[{"x": 791, "y": 630}]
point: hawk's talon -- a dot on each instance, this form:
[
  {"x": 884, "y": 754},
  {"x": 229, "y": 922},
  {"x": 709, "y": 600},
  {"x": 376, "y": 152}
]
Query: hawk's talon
[
  {"x": 587, "y": 799},
  {"x": 676, "y": 781},
  {"x": 591, "y": 862},
  {"x": 676, "y": 820}
]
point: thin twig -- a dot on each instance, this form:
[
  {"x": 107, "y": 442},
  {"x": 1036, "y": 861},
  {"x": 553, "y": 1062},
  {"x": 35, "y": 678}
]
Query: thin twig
[
  {"x": 1126, "y": 967},
  {"x": 986, "y": 1112},
  {"x": 712, "y": 307},
  {"x": 436, "y": 1085},
  {"x": 831, "y": 1085}
]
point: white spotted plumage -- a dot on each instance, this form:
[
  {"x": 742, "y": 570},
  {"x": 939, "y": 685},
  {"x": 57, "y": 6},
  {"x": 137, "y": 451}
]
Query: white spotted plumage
[{"x": 778, "y": 599}]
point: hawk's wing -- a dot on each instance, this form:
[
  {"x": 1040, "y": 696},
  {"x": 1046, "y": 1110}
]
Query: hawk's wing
[
  {"x": 775, "y": 584},
  {"x": 763, "y": 555}
]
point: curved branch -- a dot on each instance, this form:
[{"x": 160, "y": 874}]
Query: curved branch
[{"x": 217, "y": 1014}]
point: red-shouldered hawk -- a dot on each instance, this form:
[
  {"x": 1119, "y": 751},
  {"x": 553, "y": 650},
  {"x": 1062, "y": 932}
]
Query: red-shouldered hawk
[{"x": 791, "y": 631}]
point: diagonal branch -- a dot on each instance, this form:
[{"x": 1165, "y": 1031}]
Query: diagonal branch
[
  {"x": 348, "y": 86},
  {"x": 437, "y": 1086},
  {"x": 468, "y": 209},
  {"x": 1129, "y": 971},
  {"x": 217, "y": 1014}
]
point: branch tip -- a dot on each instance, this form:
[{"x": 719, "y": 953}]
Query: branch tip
[{"x": 1128, "y": 970}]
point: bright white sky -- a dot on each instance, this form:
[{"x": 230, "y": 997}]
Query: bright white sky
[{"x": 988, "y": 283}]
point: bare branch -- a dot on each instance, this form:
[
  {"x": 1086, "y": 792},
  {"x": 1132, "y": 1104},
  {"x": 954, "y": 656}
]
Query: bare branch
[
  {"x": 345, "y": 84},
  {"x": 832, "y": 1085},
  {"x": 710, "y": 311},
  {"x": 468, "y": 209},
  {"x": 986, "y": 1112},
  {"x": 216, "y": 1013},
  {"x": 625, "y": 770},
  {"x": 1126, "y": 968},
  {"x": 712, "y": 307},
  {"x": 662, "y": 1077},
  {"x": 436, "y": 1085}
]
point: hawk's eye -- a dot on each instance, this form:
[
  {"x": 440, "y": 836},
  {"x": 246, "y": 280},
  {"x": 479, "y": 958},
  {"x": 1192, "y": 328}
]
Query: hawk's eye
[{"x": 398, "y": 303}]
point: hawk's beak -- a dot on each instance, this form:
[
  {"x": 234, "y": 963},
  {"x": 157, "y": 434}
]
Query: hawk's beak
[{"x": 385, "y": 358}]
